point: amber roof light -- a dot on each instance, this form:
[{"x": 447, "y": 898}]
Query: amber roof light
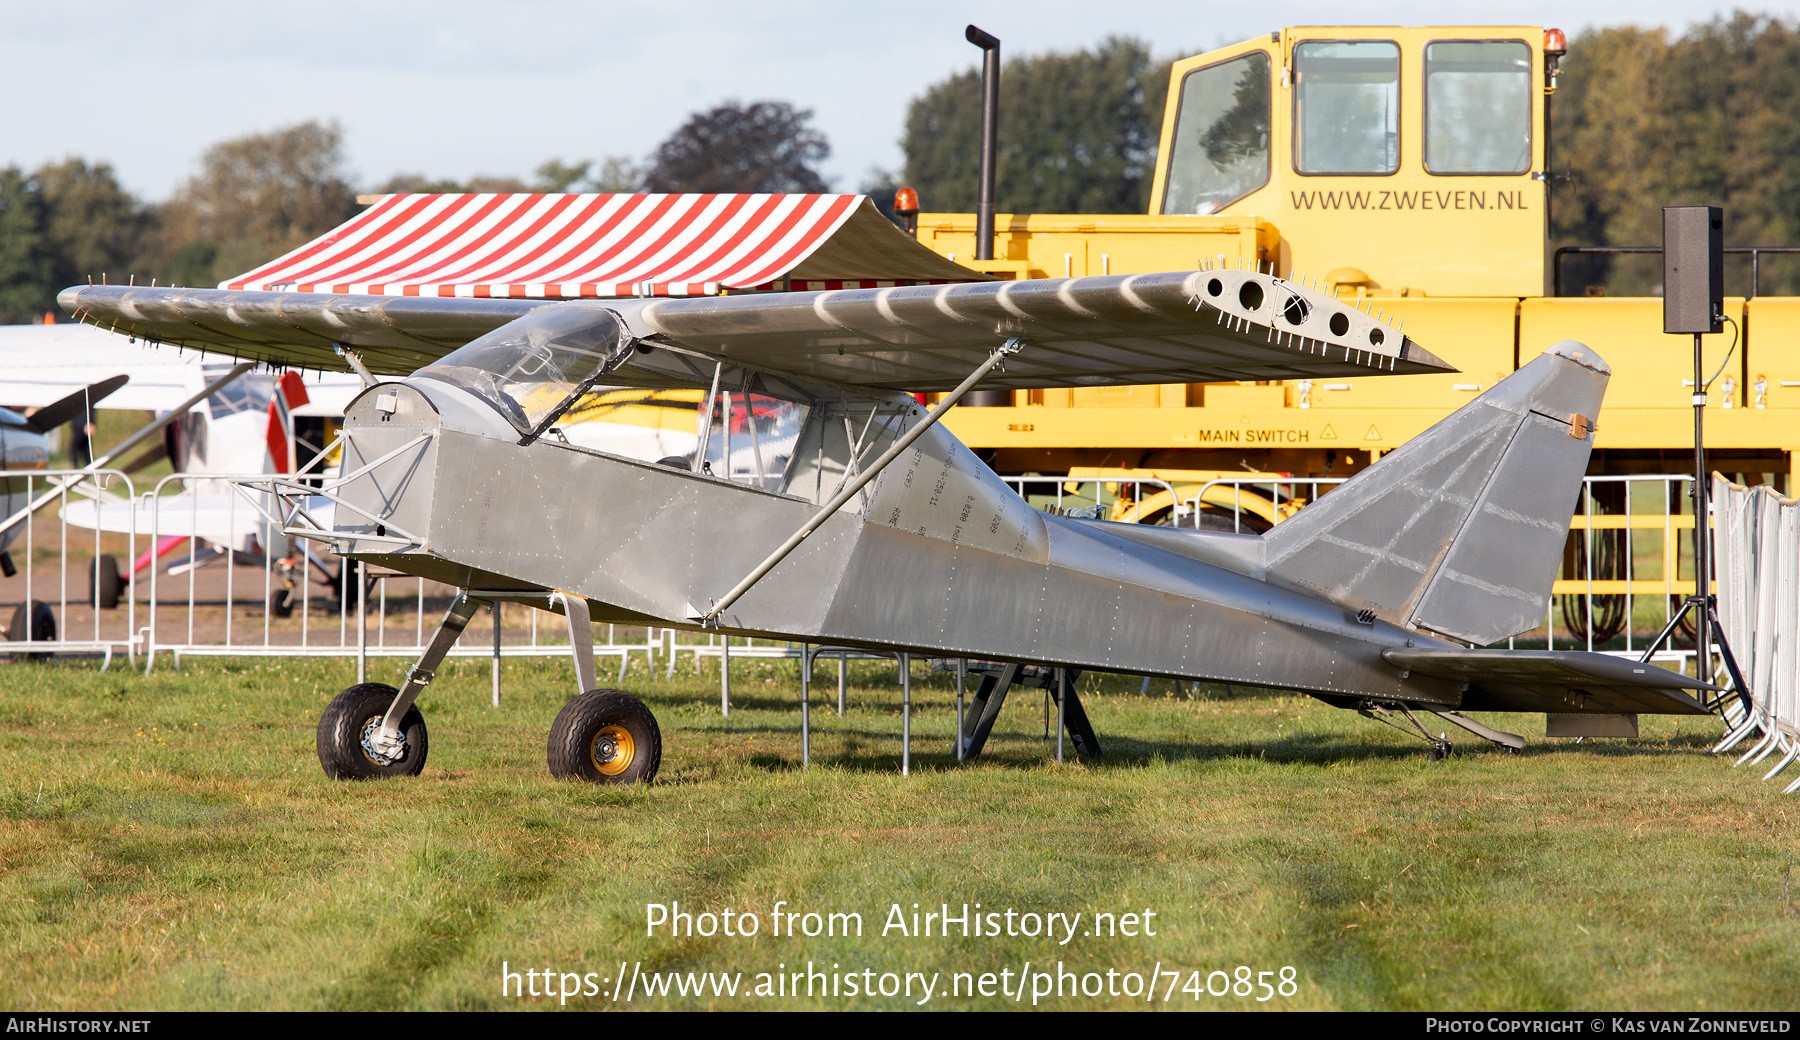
[{"x": 1555, "y": 43}]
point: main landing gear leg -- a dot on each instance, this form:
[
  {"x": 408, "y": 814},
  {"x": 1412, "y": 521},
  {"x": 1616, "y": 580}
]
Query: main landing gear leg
[
  {"x": 581, "y": 638},
  {"x": 372, "y": 729},
  {"x": 600, "y": 736}
]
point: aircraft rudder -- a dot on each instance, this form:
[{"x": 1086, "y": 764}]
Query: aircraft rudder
[{"x": 1460, "y": 529}]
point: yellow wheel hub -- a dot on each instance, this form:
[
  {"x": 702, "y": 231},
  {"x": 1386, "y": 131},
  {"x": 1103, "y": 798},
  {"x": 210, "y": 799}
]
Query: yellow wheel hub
[{"x": 612, "y": 750}]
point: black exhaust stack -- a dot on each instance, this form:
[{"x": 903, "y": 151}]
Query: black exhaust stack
[
  {"x": 990, "y": 133},
  {"x": 984, "y": 205}
]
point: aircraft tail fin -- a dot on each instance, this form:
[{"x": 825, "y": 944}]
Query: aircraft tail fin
[{"x": 1461, "y": 529}]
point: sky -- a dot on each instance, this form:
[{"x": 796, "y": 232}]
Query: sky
[{"x": 454, "y": 88}]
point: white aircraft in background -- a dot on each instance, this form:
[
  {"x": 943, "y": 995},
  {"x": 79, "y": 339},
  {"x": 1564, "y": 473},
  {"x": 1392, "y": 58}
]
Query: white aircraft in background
[{"x": 257, "y": 423}]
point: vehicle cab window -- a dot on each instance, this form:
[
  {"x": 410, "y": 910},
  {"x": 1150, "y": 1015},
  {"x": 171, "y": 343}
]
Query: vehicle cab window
[
  {"x": 1477, "y": 107},
  {"x": 1220, "y": 150},
  {"x": 1347, "y": 107}
]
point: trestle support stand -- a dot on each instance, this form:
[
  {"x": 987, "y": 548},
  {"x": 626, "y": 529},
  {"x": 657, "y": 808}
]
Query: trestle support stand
[{"x": 990, "y": 694}]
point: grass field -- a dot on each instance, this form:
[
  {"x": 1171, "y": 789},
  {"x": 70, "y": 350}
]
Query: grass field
[{"x": 169, "y": 842}]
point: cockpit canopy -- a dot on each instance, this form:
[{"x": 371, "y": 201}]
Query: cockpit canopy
[{"x": 530, "y": 370}]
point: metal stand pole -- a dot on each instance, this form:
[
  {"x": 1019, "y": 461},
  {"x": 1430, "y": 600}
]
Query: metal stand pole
[
  {"x": 725, "y": 676},
  {"x": 843, "y": 679},
  {"x": 1702, "y": 530},
  {"x": 496, "y": 611},
  {"x": 362, "y": 626},
  {"x": 962, "y": 675},
  {"x": 805, "y": 707},
  {"x": 905, "y": 714},
  {"x": 1063, "y": 684}
]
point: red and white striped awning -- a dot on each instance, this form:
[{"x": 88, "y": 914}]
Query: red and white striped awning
[{"x": 562, "y": 246}]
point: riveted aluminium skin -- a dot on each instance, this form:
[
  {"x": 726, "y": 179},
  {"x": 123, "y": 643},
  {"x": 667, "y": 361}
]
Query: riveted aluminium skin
[{"x": 942, "y": 557}]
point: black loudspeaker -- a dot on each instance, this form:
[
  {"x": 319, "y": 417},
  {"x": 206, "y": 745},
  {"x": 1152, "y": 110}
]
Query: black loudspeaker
[{"x": 1693, "y": 269}]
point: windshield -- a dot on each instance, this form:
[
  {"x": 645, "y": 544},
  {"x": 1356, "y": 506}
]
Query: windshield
[{"x": 531, "y": 369}]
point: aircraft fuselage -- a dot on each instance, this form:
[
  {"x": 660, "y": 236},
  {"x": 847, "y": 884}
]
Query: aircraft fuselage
[{"x": 940, "y": 557}]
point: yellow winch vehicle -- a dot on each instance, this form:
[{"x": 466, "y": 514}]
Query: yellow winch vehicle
[{"x": 1406, "y": 168}]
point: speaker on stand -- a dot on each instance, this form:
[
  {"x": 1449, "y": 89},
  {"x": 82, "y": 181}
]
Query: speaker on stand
[{"x": 1694, "y": 304}]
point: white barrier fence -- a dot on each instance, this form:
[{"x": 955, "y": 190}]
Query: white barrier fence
[
  {"x": 1757, "y": 540},
  {"x": 247, "y": 602},
  {"x": 41, "y": 621},
  {"x": 145, "y": 586}
]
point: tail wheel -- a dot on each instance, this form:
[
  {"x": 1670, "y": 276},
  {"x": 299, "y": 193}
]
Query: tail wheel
[
  {"x": 605, "y": 737},
  {"x": 348, "y": 728}
]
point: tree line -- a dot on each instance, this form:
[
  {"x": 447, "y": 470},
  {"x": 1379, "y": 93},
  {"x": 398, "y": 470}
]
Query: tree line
[
  {"x": 257, "y": 197},
  {"x": 1642, "y": 119}
]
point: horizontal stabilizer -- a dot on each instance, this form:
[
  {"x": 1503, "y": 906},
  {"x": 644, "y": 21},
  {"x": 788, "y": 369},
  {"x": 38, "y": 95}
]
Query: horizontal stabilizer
[{"x": 1559, "y": 681}]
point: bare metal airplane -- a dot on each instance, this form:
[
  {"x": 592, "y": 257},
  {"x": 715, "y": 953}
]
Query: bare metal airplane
[{"x": 879, "y": 529}]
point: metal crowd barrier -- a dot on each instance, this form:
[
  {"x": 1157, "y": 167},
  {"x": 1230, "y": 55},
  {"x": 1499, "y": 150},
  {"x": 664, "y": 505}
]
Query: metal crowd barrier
[
  {"x": 1109, "y": 492},
  {"x": 34, "y": 617},
  {"x": 1282, "y": 499},
  {"x": 196, "y": 607},
  {"x": 1756, "y": 535},
  {"x": 1600, "y": 592}
]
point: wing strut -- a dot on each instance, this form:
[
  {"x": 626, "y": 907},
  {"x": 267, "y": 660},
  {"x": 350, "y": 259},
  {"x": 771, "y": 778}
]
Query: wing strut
[{"x": 999, "y": 354}]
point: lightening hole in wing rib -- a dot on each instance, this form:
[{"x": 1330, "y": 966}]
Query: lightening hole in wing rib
[
  {"x": 1250, "y": 296},
  {"x": 1376, "y": 336},
  {"x": 1296, "y": 310},
  {"x": 1214, "y": 287},
  {"x": 1340, "y": 324}
]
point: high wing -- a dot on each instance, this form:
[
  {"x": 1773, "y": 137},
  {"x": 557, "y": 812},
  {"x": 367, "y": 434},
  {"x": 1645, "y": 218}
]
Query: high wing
[
  {"x": 40, "y": 364},
  {"x": 1556, "y": 681},
  {"x": 1192, "y": 326}
]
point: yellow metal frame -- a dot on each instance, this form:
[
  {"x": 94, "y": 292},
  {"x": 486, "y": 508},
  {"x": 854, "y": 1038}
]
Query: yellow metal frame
[{"x": 1460, "y": 262}]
